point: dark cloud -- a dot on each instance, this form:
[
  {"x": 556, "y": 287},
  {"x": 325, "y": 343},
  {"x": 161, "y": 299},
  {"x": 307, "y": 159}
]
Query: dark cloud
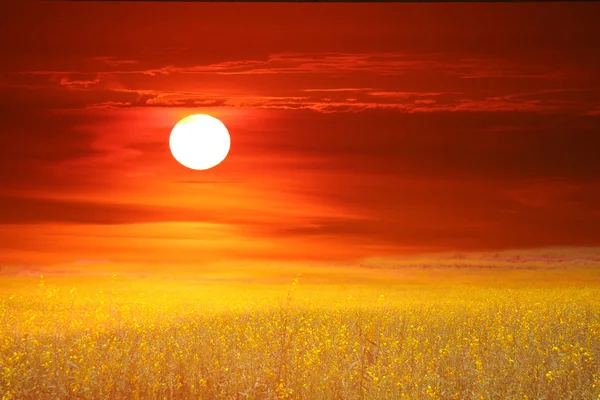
[
  {"x": 444, "y": 145},
  {"x": 26, "y": 210}
]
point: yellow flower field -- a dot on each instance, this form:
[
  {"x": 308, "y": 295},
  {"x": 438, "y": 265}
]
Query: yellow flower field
[{"x": 127, "y": 338}]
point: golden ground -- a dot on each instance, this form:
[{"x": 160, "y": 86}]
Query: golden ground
[{"x": 528, "y": 332}]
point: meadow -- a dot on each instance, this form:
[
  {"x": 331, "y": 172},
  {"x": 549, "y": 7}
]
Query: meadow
[{"x": 361, "y": 333}]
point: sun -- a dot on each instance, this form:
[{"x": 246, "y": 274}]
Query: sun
[{"x": 199, "y": 141}]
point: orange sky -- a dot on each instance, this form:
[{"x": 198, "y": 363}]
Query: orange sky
[{"x": 358, "y": 130}]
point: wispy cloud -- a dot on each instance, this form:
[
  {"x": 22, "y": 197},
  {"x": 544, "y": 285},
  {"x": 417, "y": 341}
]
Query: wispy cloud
[
  {"x": 405, "y": 95},
  {"x": 408, "y": 102},
  {"x": 331, "y": 63},
  {"x": 594, "y": 112},
  {"x": 78, "y": 84},
  {"x": 112, "y": 61},
  {"x": 339, "y": 90}
]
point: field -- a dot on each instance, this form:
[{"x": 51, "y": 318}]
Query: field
[{"x": 404, "y": 333}]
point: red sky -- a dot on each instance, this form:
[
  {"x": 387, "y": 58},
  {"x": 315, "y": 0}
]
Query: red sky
[{"x": 358, "y": 130}]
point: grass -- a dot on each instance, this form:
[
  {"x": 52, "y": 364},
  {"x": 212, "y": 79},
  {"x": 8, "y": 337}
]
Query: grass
[{"x": 415, "y": 333}]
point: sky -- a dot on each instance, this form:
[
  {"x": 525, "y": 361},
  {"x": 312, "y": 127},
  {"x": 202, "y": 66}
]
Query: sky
[{"x": 357, "y": 130}]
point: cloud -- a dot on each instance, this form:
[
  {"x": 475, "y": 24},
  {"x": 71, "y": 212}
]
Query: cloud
[
  {"x": 30, "y": 210},
  {"x": 78, "y": 84},
  {"x": 110, "y": 104},
  {"x": 339, "y": 90},
  {"x": 408, "y": 102},
  {"x": 594, "y": 112},
  {"x": 557, "y": 195},
  {"x": 442, "y": 145},
  {"x": 184, "y": 100},
  {"x": 406, "y": 95},
  {"x": 112, "y": 61},
  {"x": 332, "y": 63}
]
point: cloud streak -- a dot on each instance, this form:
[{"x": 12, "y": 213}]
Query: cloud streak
[
  {"x": 331, "y": 64},
  {"x": 406, "y": 102}
]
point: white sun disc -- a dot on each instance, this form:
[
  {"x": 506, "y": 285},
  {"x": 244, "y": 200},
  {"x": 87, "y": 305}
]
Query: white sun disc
[{"x": 199, "y": 141}]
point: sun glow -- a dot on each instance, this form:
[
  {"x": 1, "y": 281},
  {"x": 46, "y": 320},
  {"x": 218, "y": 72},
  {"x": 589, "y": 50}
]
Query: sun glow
[{"x": 199, "y": 142}]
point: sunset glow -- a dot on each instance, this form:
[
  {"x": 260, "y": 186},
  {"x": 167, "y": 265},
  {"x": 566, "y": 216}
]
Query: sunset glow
[{"x": 359, "y": 131}]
